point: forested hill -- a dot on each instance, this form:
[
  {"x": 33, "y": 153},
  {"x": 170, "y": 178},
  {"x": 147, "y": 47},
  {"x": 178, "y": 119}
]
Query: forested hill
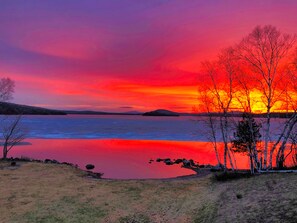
[{"x": 14, "y": 109}]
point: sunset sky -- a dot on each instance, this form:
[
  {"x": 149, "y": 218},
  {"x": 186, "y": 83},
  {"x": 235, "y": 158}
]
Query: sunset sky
[{"x": 122, "y": 55}]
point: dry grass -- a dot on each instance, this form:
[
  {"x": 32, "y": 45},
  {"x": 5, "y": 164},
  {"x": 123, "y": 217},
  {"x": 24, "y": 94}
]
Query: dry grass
[
  {"x": 267, "y": 198},
  {"x": 38, "y": 192}
]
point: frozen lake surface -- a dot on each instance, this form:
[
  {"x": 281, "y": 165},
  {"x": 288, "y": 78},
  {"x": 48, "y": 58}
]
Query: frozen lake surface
[
  {"x": 112, "y": 126},
  {"x": 183, "y": 128}
]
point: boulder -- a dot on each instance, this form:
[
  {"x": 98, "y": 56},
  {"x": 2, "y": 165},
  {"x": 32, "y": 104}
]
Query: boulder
[
  {"x": 90, "y": 166},
  {"x": 168, "y": 162}
]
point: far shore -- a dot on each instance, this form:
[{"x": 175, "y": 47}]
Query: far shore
[{"x": 7, "y": 108}]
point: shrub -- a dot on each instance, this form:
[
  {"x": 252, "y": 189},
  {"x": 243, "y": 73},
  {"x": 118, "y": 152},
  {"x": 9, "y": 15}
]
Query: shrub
[{"x": 225, "y": 176}]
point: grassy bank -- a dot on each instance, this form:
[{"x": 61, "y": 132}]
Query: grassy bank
[{"x": 38, "y": 192}]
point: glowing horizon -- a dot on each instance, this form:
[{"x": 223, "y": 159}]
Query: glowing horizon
[{"x": 125, "y": 55}]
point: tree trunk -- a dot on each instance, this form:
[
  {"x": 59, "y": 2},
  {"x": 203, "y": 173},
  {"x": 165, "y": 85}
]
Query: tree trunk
[
  {"x": 230, "y": 159},
  {"x": 5, "y": 151},
  {"x": 256, "y": 158},
  {"x": 267, "y": 136},
  {"x": 225, "y": 159},
  {"x": 214, "y": 139},
  {"x": 281, "y": 151},
  {"x": 280, "y": 157},
  {"x": 251, "y": 164},
  {"x": 217, "y": 154}
]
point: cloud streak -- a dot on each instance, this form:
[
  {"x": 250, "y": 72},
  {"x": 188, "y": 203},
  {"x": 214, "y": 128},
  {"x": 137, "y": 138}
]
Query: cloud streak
[{"x": 111, "y": 54}]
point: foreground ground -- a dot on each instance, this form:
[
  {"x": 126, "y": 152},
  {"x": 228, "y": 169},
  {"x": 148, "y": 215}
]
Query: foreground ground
[{"x": 37, "y": 192}]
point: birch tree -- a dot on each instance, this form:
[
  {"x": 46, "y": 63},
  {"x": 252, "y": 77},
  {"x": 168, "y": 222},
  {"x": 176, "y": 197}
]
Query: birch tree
[
  {"x": 264, "y": 51},
  {"x": 247, "y": 102},
  {"x": 220, "y": 78},
  {"x": 289, "y": 103},
  {"x": 207, "y": 101}
]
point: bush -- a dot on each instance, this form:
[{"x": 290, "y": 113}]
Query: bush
[{"x": 225, "y": 176}]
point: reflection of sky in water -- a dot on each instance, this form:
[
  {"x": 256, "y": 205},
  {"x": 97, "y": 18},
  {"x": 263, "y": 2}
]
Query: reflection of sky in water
[
  {"x": 118, "y": 158},
  {"x": 121, "y": 146}
]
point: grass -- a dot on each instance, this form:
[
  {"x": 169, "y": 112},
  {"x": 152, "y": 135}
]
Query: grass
[
  {"x": 37, "y": 192},
  {"x": 67, "y": 209},
  {"x": 135, "y": 218}
]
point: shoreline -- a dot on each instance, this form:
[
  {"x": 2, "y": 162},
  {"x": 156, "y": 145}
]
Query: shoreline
[
  {"x": 202, "y": 172},
  {"x": 21, "y": 161}
]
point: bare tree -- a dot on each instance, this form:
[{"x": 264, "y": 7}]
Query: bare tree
[
  {"x": 264, "y": 51},
  {"x": 289, "y": 104},
  {"x": 206, "y": 100},
  {"x": 6, "y": 89},
  {"x": 220, "y": 76},
  {"x": 293, "y": 147},
  {"x": 12, "y": 133},
  {"x": 246, "y": 101},
  {"x": 12, "y": 130},
  {"x": 261, "y": 64}
]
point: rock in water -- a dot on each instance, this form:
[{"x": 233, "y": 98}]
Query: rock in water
[{"x": 90, "y": 166}]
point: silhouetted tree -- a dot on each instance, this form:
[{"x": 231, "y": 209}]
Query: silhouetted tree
[
  {"x": 12, "y": 133},
  {"x": 219, "y": 88},
  {"x": 11, "y": 129},
  {"x": 6, "y": 89},
  {"x": 259, "y": 67},
  {"x": 265, "y": 52},
  {"x": 211, "y": 124},
  {"x": 246, "y": 138}
]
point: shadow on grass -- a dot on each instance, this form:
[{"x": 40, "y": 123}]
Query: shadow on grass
[{"x": 227, "y": 176}]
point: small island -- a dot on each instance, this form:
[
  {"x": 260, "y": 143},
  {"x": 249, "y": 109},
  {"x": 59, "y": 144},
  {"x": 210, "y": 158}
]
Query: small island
[{"x": 161, "y": 112}]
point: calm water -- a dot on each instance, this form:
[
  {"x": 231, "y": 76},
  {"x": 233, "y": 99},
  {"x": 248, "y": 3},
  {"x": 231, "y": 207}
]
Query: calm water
[
  {"x": 120, "y": 158},
  {"x": 113, "y": 126},
  {"x": 119, "y": 146}
]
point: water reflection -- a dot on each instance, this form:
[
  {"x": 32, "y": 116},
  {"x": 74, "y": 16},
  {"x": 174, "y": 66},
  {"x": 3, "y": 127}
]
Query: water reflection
[{"x": 122, "y": 159}]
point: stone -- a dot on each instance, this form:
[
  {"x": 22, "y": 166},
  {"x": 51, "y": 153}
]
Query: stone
[{"x": 90, "y": 166}]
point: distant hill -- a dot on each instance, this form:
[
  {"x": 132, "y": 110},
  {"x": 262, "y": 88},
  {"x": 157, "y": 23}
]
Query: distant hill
[
  {"x": 161, "y": 112},
  {"x": 14, "y": 109}
]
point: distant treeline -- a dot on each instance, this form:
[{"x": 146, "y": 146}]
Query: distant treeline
[
  {"x": 16, "y": 109},
  {"x": 240, "y": 114}
]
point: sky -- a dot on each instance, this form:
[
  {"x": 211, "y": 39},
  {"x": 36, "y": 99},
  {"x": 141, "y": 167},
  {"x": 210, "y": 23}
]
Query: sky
[{"x": 122, "y": 55}]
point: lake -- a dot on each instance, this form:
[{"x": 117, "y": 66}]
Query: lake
[{"x": 120, "y": 146}]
